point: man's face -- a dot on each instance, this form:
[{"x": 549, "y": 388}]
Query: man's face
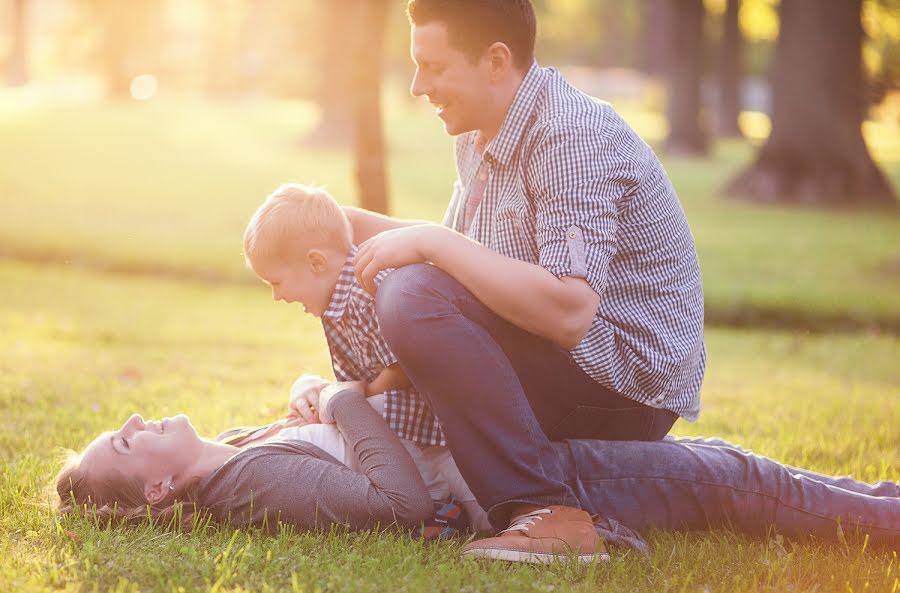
[{"x": 456, "y": 87}]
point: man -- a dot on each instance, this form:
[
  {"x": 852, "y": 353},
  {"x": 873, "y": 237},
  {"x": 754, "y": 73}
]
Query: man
[{"x": 564, "y": 299}]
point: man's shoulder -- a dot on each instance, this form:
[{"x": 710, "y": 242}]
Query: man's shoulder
[
  {"x": 564, "y": 111},
  {"x": 563, "y": 105}
]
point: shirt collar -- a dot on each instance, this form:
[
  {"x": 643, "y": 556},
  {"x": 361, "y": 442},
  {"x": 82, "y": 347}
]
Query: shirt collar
[
  {"x": 341, "y": 294},
  {"x": 502, "y": 147}
]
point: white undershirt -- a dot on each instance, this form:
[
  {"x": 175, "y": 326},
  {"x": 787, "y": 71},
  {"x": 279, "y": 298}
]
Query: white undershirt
[{"x": 435, "y": 463}]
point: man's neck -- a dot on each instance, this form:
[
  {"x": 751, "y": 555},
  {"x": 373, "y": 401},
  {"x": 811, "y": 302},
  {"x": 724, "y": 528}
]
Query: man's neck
[{"x": 505, "y": 95}]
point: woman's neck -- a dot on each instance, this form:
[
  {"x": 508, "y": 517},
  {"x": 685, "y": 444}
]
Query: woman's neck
[{"x": 211, "y": 457}]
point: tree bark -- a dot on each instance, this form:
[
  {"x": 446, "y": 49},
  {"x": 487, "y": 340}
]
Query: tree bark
[
  {"x": 339, "y": 25},
  {"x": 17, "y": 66},
  {"x": 816, "y": 153},
  {"x": 368, "y": 133},
  {"x": 654, "y": 39},
  {"x": 687, "y": 133},
  {"x": 730, "y": 72}
]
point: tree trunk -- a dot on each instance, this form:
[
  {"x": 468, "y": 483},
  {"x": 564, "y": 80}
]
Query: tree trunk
[
  {"x": 816, "y": 153},
  {"x": 17, "y": 66},
  {"x": 730, "y": 72},
  {"x": 369, "y": 147},
  {"x": 654, "y": 37},
  {"x": 339, "y": 24},
  {"x": 687, "y": 134},
  {"x": 131, "y": 41}
]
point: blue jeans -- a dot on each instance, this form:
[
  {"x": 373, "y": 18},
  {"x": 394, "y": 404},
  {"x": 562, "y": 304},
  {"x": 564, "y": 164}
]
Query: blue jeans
[
  {"x": 501, "y": 393},
  {"x": 685, "y": 483}
]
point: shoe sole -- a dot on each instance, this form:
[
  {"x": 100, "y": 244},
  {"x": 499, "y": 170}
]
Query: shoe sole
[{"x": 533, "y": 557}]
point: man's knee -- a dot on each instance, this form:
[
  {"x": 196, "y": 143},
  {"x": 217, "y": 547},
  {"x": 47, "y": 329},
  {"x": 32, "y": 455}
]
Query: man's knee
[{"x": 398, "y": 301}]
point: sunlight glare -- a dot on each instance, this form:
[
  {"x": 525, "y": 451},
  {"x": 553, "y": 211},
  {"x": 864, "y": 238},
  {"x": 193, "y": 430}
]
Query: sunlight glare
[
  {"x": 755, "y": 124},
  {"x": 144, "y": 87}
]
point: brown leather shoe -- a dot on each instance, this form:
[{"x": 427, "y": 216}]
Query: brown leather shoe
[{"x": 541, "y": 536}]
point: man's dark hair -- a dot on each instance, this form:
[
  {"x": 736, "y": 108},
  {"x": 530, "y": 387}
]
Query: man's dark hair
[{"x": 473, "y": 25}]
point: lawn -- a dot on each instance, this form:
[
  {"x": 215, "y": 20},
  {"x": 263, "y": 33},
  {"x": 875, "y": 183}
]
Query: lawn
[
  {"x": 85, "y": 349},
  {"x": 169, "y": 187},
  {"x": 124, "y": 290}
]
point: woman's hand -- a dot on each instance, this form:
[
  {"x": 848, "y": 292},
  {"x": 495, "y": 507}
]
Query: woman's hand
[
  {"x": 329, "y": 391},
  {"x": 304, "y": 399}
]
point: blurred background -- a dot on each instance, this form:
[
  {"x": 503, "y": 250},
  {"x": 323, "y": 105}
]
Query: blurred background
[{"x": 137, "y": 137}]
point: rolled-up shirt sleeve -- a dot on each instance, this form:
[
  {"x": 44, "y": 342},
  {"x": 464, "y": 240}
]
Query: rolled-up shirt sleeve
[{"x": 579, "y": 179}]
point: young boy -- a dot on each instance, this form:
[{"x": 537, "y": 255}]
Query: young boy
[{"x": 299, "y": 242}]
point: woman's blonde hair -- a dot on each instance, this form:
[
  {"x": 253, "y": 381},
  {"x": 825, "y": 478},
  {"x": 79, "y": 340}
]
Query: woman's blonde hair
[
  {"x": 292, "y": 217},
  {"x": 114, "y": 497}
]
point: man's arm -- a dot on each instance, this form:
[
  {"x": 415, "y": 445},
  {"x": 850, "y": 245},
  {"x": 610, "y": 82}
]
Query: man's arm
[
  {"x": 527, "y": 295},
  {"x": 366, "y": 224}
]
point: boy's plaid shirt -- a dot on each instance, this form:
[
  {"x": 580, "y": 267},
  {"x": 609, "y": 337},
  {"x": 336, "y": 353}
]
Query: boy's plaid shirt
[{"x": 359, "y": 353}]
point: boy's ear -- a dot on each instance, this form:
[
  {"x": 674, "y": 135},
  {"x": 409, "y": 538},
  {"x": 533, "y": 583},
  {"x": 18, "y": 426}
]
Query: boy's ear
[{"x": 317, "y": 260}]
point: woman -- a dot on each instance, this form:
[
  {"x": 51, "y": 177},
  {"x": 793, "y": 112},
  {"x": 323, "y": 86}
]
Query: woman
[
  {"x": 673, "y": 484},
  {"x": 296, "y": 482}
]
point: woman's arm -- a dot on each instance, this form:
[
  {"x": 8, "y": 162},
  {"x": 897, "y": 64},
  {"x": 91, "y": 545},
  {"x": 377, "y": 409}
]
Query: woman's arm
[{"x": 298, "y": 483}]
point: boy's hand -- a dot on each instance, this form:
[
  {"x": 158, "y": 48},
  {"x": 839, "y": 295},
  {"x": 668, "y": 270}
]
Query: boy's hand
[
  {"x": 330, "y": 391},
  {"x": 304, "y": 400}
]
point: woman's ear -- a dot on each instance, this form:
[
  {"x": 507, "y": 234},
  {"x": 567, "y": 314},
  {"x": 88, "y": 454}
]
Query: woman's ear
[
  {"x": 156, "y": 492},
  {"x": 317, "y": 260}
]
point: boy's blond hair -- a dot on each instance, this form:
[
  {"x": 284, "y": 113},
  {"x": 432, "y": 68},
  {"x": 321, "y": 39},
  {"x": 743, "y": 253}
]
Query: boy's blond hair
[{"x": 294, "y": 217}]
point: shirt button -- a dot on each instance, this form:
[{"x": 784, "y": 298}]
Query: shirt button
[
  {"x": 482, "y": 176},
  {"x": 572, "y": 234}
]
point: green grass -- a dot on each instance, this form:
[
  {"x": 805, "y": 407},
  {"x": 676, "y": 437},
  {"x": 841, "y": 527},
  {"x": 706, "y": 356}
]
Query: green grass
[
  {"x": 88, "y": 192},
  {"x": 85, "y": 349},
  {"x": 169, "y": 186}
]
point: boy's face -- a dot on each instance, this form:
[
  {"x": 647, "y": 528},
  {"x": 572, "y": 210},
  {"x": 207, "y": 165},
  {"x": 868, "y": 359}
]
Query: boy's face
[
  {"x": 308, "y": 280},
  {"x": 455, "y": 86}
]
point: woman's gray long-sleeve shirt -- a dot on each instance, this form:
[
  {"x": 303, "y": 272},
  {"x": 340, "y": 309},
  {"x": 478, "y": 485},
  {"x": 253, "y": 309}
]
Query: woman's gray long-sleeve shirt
[{"x": 297, "y": 483}]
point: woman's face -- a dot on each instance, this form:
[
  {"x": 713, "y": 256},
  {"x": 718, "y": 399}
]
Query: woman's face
[{"x": 157, "y": 453}]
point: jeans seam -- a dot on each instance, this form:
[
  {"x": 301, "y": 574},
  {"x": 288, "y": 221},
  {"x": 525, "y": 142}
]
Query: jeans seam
[{"x": 732, "y": 488}]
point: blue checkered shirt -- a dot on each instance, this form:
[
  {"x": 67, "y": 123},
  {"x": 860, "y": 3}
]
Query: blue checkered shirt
[
  {"x": 359, "y": 353},
  {"x": 569, "y": 186}
]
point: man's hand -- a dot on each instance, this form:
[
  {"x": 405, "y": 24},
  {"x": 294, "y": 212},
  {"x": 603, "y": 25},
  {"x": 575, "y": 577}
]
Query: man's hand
[
  {"x": 304, "y": 400},
  {"x": 330, "y": 391},
  {"x": 393, "y": 249}
]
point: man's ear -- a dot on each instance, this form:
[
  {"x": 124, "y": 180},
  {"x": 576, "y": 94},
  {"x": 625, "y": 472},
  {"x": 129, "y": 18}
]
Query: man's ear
[
  {"x": 317, "y": 260},
  {"x": 500, "y": 59},
  {"x": 155, "y": 492}
]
